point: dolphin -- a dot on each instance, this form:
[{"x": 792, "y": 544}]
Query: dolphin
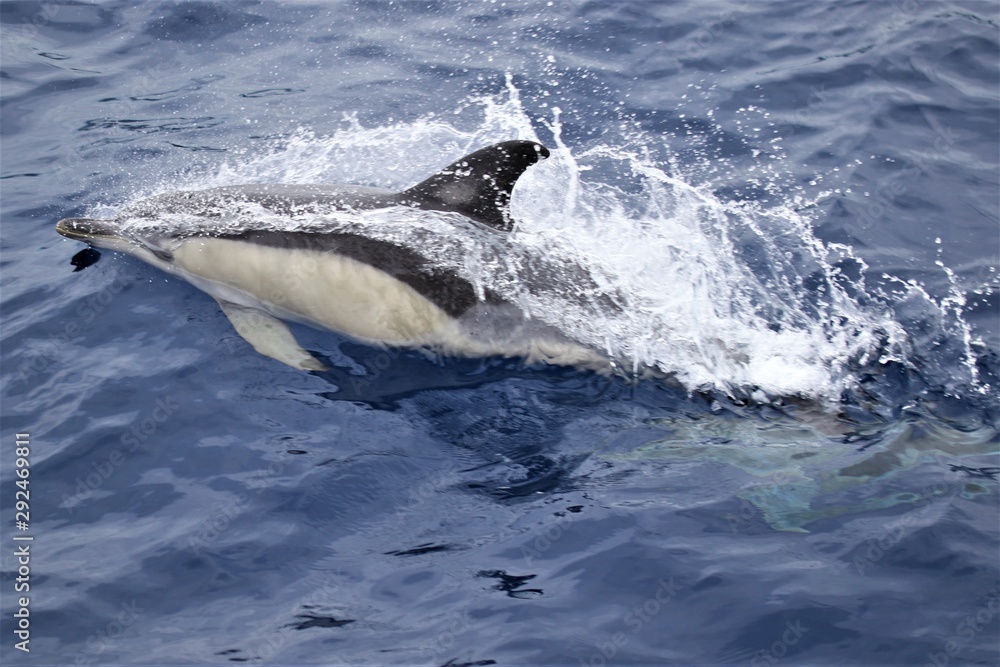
[{"x": 373, "y": 290}]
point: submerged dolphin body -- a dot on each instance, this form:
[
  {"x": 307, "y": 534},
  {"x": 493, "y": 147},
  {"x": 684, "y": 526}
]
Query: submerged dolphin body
[{"x": 373, "y": 290}]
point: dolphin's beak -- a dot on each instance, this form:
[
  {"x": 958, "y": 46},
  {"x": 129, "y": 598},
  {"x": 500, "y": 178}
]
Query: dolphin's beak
[
  {"x": 87, "y": 229},
  {"x": 108, "y": 234}
]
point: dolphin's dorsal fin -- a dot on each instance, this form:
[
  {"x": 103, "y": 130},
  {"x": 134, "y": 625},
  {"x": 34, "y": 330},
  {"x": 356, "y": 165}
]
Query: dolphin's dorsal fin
[{"x": 479, "y": 185}]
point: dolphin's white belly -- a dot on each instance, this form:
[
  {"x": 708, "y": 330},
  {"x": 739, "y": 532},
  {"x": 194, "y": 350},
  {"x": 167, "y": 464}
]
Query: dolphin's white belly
[
  {"x": 353, "y": 298},
  {"x": 325, "y": 289}
]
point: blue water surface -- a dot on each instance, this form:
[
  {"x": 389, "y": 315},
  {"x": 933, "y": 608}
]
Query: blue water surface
[{"x": 773, "y": 172}]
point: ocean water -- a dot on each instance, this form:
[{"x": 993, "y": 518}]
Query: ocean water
[{"x": 791, "y": 214}]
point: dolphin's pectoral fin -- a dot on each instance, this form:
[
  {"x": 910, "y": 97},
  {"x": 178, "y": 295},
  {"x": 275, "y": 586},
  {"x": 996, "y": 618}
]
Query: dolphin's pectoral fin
[{"x": 269, "y": 336}]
